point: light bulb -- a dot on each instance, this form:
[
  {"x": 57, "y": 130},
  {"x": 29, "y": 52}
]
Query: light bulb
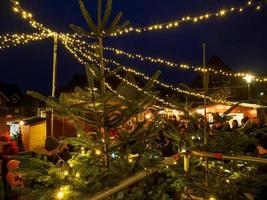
[{"x": 59, "y": 195}]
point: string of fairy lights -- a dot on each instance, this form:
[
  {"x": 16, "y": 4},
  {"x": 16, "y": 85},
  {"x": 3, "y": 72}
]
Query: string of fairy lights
[
  {"x": 179, "y": 66},
  {"x": 28, "y": 16},
  {"x": 72, "y": 51},
  {"x": 67, "y": 38},
  {"x": 77, "y": 47},
  {"x": 84, "y": 52},
  {"x": 10, "y": 40},
  {"x": 174, "y": 24},
  {"x": 13, "y": 40}
]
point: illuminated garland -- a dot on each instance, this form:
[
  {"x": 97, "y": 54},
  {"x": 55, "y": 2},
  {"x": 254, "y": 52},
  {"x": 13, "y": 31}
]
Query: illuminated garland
[
  {"x": 164, "y": 102},
  {"x": 10, "y": 40},
  {"x": 27, "y": 15},
  {"x": 80, "y": 42},
  {"x": 257, "y": 6},
  {"x": 65, "y": 38},
  {"x": 81, "y": 51}
]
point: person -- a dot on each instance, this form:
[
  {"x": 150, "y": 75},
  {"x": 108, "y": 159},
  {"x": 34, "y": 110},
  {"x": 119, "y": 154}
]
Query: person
[{"x": 235, "y": 125}]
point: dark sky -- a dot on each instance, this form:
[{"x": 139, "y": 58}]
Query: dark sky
[{"x": 240, "y": 40}]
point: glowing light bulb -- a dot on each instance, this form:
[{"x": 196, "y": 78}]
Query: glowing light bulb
[
  {"x": 59, "y": 195},
  {"x": 66, "y": 173},
  {"x": 21, "y": 123},
  {"x": 249, "y": 78},
  {"x": 77, "y": 175},
  {"x": 222, "y": 12},
  {"x": 98, "y": 152},
  {"x": 212, "y": 198},
  {"x": 15, "y": 9},
  {"x": 130, "y": 160}
]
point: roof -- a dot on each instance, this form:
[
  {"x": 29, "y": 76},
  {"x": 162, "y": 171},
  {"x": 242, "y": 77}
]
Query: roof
[
  {"x": 10, "y": 89},
  {"x": 33, "y": 120},
  {"x": 216, "y": 63},
  {"x": 11, "y": 93}
]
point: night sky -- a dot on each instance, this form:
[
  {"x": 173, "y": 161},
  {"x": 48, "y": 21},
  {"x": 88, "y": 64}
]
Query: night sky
[{"x": 238, "y": 39}]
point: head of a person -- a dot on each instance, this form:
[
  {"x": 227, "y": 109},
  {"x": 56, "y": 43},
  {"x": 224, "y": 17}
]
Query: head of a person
[
  {"x": 234, "y": 123},
  {"x": 262, "y": 145}
]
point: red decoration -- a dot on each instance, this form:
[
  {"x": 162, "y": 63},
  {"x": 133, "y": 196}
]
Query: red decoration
[
  {"x": 14, "y": 179},
  {"x": 218, "y": 156},
  {"x": 113, "y": 132}
]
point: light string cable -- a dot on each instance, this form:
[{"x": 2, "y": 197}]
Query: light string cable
[
  {"x": 168, "y": 63},
  {"x": 87, "y": 53},
  {"x": 65, "y": 42},
  {"x": 28, "y": 16},
  {"x": 74, "y": 51},
  {"x": 250, "y": 5},
  {"x": 13, "y": 40}
]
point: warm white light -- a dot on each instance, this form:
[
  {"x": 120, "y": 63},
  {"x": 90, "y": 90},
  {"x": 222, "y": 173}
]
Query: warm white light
[
  {"x": 15, "y": 9},
  {"x": 21, "y": 123},
  {"x": 262, "y": 93},
  {"x": 77, "y": 175},
  {"x": 148, "y": 116},
  {"x": 60, "y": 195},
  {"x": 222, "y": 12},
  {"x": 249, "y": 78},
  {"x": 97, "y": 152},
  {"x": 66, "y": 173},
  {"x": 212, "y": 198}
]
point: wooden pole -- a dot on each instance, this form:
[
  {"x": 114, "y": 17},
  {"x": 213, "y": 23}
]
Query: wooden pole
[
  {"x": 205, "y": 81},
  {"x": 225, "y": 157},
  {"x": 54, "y": 80}
]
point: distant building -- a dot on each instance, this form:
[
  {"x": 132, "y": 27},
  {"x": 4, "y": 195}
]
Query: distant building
[
  {"x": 10, "y": 96},
  {"x": 228, "y": 87}
]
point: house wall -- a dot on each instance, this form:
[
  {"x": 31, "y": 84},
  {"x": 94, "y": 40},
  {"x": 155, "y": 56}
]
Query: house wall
[
  {"x": 64, "y": 127},
  {"x": 3, "y": 126},
  {"x": 25, "y": 132},
  {"x": 37, "y": 135}
]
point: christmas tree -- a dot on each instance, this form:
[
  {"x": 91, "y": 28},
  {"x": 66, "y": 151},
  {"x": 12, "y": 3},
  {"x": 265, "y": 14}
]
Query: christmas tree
[{"x": 152, "y": 159}]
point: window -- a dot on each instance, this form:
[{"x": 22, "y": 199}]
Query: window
[
  {"x": 226, "y": 80},
  {"x": 216, "y": 79}
]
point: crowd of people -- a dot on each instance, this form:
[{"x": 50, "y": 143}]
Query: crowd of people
[{"x": 12, "y": 180}]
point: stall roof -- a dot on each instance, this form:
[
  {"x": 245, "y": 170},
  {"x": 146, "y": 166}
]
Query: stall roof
[{"x": 33, "y": 120}]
